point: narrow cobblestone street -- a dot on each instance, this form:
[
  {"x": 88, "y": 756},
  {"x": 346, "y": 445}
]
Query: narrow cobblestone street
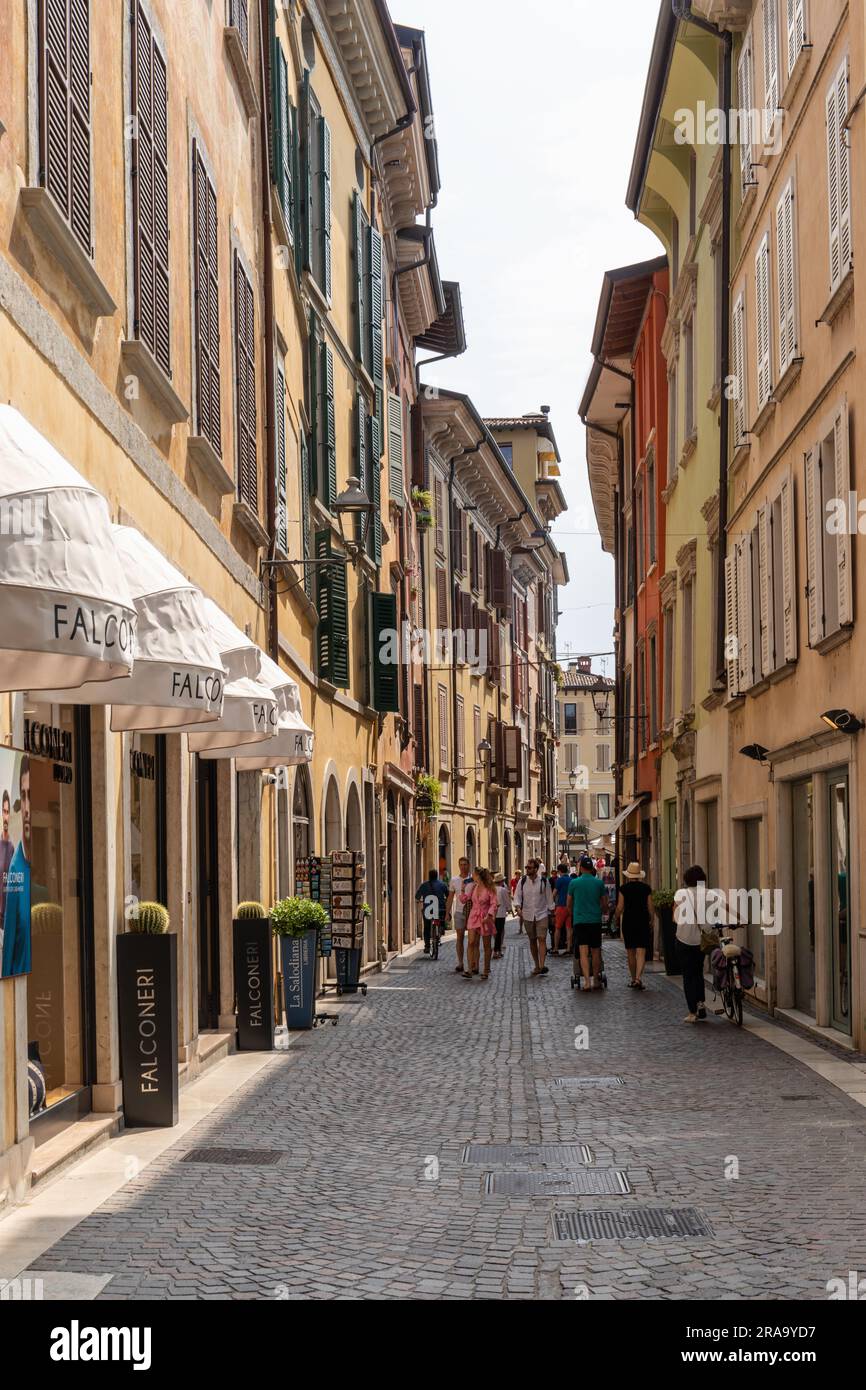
[{"x": 372, "y": 1196}]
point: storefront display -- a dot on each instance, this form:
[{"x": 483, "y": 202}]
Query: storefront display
[{"x": 15, "y": 865}]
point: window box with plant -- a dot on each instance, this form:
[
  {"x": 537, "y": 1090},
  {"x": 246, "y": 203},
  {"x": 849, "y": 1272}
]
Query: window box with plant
[
  {"x": 147, "y": 1007},
  {"x": 297, "y": 922},
  {"x": 428, "y": 795},
  {"x": 254, "y": 977}
]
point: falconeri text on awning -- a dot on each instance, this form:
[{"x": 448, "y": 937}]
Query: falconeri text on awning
[
  {"x": 249, "y": 706},
  {"x": 67, "y": 611},
  {"x": 293, "y": 741}
]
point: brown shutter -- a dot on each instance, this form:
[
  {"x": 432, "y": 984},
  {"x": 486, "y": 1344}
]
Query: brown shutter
[
  {"x": 439, "y": 516},
  {"x": 245, "y": 386},
  {"x": 64, "y": 129},
  {"x": 513, "y": 756},
  {"x": 441, "y": 598},
  {"x": 497, "y": 589},
  {"x": 150, "y": 192},
  {"x": 419, "y": 453},
  {"x": 207, "y": 328}
]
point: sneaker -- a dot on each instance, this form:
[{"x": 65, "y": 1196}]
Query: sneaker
[
  {"x": 690, "y": 1018},
  {"x": 702, "y": 1011}
]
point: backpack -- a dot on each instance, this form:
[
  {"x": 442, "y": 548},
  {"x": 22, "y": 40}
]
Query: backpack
[{"x": 543, "y": 879}]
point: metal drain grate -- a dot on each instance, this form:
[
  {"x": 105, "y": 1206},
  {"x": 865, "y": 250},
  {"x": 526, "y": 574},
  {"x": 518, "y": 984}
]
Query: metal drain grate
[
  {"x": 529, "y": 1155},
  {"x": 646, "y": 1223},
  {"x": 579, "y": 1082},
  {"x": 591, "y": 1182},
  {"x": 236, "y": 1158}
]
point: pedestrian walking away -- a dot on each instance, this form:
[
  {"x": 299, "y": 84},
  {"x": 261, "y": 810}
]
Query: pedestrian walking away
[
  {"x": 634, "y": 913},
  {"x": 433, "y": 896},
  {"x": 480, "y": 902},
  {"x": 533, "y": 900},
  {"x": 503, "y": 908},
  {"x": 460, "y": 882},
  {"x": 586, "y": 892},
  {"x": 691, "y": 957},
  {"x": 562, "y": 911}
]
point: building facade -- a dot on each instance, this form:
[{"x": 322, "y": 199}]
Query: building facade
[{"x": 586, "y": 724}]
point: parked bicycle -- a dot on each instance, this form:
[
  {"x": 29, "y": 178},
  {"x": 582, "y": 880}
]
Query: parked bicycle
[{"x": 733, "y": 973}]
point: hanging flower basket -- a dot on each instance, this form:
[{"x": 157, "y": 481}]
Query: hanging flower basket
[{"x": 423, "y": 520}]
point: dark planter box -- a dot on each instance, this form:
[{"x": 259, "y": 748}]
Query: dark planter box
[
  {"x": 348, "y": 970},
  {"x": 147, "y": 1004},
  {"x": 254, "y": 983},
  {"x": 669, "y": 940},
  {"x": 298, "y": 956}
]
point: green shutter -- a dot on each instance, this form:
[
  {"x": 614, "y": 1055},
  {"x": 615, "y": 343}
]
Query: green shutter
[
  {"x": 359, "y": 222},
  {"x": 361, "y": 452},
  {"x": 395, "y": 449},
  {"x": 332, "y": 638},
  {"x": 282, "y": 500},
  {"x": 376, "y": 307},
  {"x": 305, "y": 516},
  {"x": 308, "y": 135},
  {"x": 297, "y": 200},
  {"x": 383, "y": 626},
  {"x": 325, "y": 230},
  {"x": 326, "y": 482},
  {"x": 374, "y": 454},
  {"x": 314, "y": 349},
  {"x": 281, "y": 150}
]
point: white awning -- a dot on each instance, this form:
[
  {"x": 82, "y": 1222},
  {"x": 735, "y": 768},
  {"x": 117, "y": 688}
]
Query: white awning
[
  {"x": 293, "y": 741},
  {"x": 249, "y": 706},
  {"x": 178, "y": 677},
  {"x": 624, "y": 814},
  {"x": 67, "y": 612}
]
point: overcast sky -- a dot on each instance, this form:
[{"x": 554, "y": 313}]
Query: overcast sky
[{"x": 536, "y": 110}]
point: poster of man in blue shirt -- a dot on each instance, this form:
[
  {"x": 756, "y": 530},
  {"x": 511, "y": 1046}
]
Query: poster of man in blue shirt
[{"x": 15, "y": 927}]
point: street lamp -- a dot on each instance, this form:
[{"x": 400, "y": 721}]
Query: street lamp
[
  {"x": 572, "y": 779},
  {"x": 354, "y": 502}
]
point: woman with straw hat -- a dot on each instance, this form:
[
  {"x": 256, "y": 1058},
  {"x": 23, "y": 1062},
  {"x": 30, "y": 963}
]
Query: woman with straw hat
[{"x": 634, "y": 912}]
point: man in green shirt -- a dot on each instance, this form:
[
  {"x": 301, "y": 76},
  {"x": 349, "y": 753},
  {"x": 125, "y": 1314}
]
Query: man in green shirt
[{"x": 586, "y": 893}]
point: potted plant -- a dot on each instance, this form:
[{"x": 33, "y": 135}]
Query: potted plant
[
  {"x": 147, "y": 1007},
  {"x": 297, "y": 922},
  {"x": 254, "y": 977},
  {"x": 663, "y": 902},
  {"x": 422, "y": 499},
  {"x": 423, "y": 520},
  {"x": 428, "y": 798}
]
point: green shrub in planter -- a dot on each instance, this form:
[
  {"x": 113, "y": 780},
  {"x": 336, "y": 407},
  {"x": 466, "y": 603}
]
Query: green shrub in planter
[
  {"x": 296, "y": 916},
  {"x": 151, "y": 920},
  {"x": 662, "y": 897},
  {"x": 250, "y": 912}
]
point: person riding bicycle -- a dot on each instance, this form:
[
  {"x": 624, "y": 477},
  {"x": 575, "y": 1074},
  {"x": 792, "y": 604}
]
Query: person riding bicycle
[{"x": 432, "y": 895}]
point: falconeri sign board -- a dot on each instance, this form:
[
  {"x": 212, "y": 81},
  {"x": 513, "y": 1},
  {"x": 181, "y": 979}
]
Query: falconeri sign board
[{"x": 147, "y": 996}]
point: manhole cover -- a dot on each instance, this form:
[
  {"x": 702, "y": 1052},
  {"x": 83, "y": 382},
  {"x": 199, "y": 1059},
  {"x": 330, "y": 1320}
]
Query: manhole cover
[
  {"x": 236, "y": 1158},
  {"x": 579, "y": 1082},
  {"x": 528, "y": 1155},
  {"x": 591, "y": 1182},
  {"x": 644, "y": 1223}
]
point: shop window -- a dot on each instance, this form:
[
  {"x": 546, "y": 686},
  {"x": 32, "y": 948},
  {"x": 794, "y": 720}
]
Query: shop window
[{"x": 147, "y": 819}]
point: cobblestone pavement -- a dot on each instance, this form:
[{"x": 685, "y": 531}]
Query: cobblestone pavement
[{"x": 372, "y": 1198}]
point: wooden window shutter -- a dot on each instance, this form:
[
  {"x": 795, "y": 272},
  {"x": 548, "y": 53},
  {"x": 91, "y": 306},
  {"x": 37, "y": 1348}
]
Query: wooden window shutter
[
  {"x": 762, "y": 313},
  {"x": 326, "y": 477},
  {"x": 744, "y": 612},
  {"x": 513, "y": 756},
  {"x": 375, "y": 301},
  {"x": 333, "y": 606},
  {"x": 374, "y": 453},
  {"x": 361, "y": 453},
  {"x": 765, "y": 597},
  {"x": 454, "y": 535},
  {"x": 64, "y": 128},
  {"x": 359, "y": 254},
  {"x": 150, "y": 234},
  {"x": 838, "y": 177},
  {"x": 460, "y": 733},
  {"x": 746, "y": 104},
  {"x": 306, "y": 495},
  {"x": 796, "y": 31},
  {"x": 771, "y": 55},
  {"x": 443, "y": 728},
  {"x": 395, "y": 448},
  {"x": 314, "y": 367},
  {"x": 844, "y": 587},
  {"x": 789, "y": 578},
  {"x": 439, "y": 515},
  {"x": 239, "y": 19},
  {"x": 385, "y": 648},
  {"x": 281, "y": 478},
  {"x": 418, "y": 725},
  {"x": 786, "y": 278},
  {"x": 207, "y": 327},
  {"x": 739, "y": 363},
  {"x": 441, "y": 598},
  {"x": 420, "y": 472},
  {"x": 245, "y": 387},
  {"x": 325, "y": 203},
  {"x": 814, "y": 546},
  {"x": 282, "y": 133},
  {"x": 307, "y": 142}
]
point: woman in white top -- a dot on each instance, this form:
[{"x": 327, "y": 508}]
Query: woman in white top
[
  {"x": 503, "y": 910},
  {"x": 687, "y": 914}
]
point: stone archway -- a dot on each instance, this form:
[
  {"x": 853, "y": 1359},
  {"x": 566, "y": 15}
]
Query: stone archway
[
  {"x": 471, "y": 851},
  {"x": 332, "y": 818},
  {"x": 354, "y": 825}
]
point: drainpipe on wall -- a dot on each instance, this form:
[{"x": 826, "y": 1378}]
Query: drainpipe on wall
[
  {"x": 683, "y": 10},
  {"x": 269, "y": 334}
]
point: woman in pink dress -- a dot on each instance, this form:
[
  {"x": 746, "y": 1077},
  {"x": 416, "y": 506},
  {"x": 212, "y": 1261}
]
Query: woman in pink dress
[{"x": 481, "y": 920}]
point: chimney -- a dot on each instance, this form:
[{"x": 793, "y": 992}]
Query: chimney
[{"x": 584, "y": 665}]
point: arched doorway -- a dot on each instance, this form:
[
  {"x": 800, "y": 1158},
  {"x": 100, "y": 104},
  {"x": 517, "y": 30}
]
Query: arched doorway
[
  {"x": 444, "y": 853},
  {"x": 494, "y": 849},
  {"x": 302, "y": 814},
  {"x": 518, "y": 852},
  {"x": 408, "y": 913},
  {"x": 354, "y": 830},
  {"x": 470, "y": 847},
  {"x": 507, "y": 866},
  {"x": 392, "y": 900},
  {"x": 333, "y": 819}
]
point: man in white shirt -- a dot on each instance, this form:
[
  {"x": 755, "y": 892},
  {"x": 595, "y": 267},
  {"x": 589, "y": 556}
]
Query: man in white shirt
[
  {"x": 533, "y": 902},
  {"x": 460, "y": 882}
]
